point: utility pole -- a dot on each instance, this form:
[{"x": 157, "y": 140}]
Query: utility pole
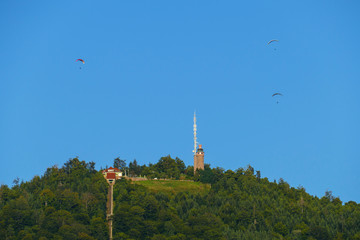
[
  {"x": 111, "y": 175},
  {"x": 110, "y": 209}
]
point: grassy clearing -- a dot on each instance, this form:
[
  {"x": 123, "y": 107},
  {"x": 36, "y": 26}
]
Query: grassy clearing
[{"x": 174, "y": 186}]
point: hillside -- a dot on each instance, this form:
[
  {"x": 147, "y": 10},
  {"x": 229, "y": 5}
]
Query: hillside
[
  {"x": 70, "y": 203},
  {"x": 175, "y": 186}
]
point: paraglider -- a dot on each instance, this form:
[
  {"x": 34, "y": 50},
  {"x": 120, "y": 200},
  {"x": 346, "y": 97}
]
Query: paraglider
[
  {"x": 277, "y": 94},
  {"x": 81, "y": 60},
  {"x": 273, "y": 40}
]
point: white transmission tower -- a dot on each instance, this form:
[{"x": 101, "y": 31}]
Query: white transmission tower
[{"x": 195, "y": 139}]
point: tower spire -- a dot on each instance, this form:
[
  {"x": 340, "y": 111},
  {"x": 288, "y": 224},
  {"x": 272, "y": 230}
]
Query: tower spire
[
  {"x": 195, "y": 139},
  {"x": 198, "y": 152}
]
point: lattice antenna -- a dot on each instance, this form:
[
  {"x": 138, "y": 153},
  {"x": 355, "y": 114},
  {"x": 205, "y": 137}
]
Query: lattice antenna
[{"x": 195, "y": 139}]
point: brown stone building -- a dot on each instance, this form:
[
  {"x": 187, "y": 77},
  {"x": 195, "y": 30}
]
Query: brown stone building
[{"x": 199, "y": 158}]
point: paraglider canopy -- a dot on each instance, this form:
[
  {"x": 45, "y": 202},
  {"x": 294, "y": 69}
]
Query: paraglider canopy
[
  {"x": 273, "y": 40},
  {"x": 277, "y": 94},
  {"x": 81, "y": 60}
]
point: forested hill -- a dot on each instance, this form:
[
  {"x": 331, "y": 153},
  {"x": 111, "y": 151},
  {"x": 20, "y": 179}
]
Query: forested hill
[{"x": 70, "y": 203}]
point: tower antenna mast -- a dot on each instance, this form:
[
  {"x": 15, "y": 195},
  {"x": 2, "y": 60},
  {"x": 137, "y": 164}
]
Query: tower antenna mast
[{"x": 195, "y": 139}]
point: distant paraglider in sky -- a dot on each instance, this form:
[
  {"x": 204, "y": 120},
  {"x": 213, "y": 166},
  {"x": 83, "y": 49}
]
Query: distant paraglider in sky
[
  {"x": 271, "y": 41},
  {"x": 277, "y": 94},
  {"x": 81, "y": 60}
]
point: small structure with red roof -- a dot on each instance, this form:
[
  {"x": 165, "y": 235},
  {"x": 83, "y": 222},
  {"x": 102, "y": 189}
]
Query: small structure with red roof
[{"x": 112, "y": 174}]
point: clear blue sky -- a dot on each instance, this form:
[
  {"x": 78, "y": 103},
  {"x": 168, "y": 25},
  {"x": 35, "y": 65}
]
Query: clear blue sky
[{"x": 150, "y": 64}]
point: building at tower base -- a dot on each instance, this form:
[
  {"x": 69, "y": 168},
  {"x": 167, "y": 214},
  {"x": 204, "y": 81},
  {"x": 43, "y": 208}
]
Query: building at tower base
[{"x": 199, "y": 159}]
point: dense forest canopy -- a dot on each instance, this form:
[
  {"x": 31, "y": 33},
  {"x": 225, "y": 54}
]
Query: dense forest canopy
[{"x": 70, "y": 203}]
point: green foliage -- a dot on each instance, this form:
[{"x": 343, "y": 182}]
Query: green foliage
[
  {"x": 70, "y": 203},
  {"x": 120, "y": 164},
  {"x": 168, "y": 167},
  {"x": 98, "y": 228},
  {"x": 173, "y": 186},
  {"x": 281, "y": 229},
  {"x": 58, "y": 205}
]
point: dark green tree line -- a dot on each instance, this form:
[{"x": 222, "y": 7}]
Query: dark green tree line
[{"x": 70, "y": 203}]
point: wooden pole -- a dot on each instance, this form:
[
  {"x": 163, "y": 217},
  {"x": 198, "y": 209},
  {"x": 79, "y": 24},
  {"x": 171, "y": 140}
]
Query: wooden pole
[{"x": 110, "y": 209}]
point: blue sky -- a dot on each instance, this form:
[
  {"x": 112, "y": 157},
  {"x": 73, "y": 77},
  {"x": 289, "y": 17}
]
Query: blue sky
[{"x": 150, "y": 64}]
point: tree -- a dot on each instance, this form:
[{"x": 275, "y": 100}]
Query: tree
[
  {"x": 329, "y": 195},
  {"x": 180, "y": 165},
  {"x": 57, "y": 219},
  {"x": 121, "y": 236},
  {"x": 258, "y": 175},
  {"x": 281, "y": 229},
  {"x": 206, "y": 226},
  {"x": 206, "y": 175},
  {"x": 70, "y": 203},
  {"x": 47, "y": 196},
  {"x": 134, "y": 168},
  {"x": 168, "y": 167},
  {"x": 91, "y": 167},
  {"x": 356, "y": 236},
  {"x": 120, "y": 164},
  {"x": 249, "y": 171},
  {"x": 16, "y": 182},
  {"x": 189, "y": 172},
  {"x": 98, "y": 228},
  {"x": 84, "y": 236},
  {"x": 67, "y": 232},
  {"x": 319, "y": 233}
]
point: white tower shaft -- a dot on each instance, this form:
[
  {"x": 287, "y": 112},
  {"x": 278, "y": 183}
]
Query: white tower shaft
[{"x": 195, "y": 139}]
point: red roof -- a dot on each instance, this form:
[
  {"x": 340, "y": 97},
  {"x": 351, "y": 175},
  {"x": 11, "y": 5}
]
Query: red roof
[
  {"x": 112, "y": 169},
  {"x": 110, "y": 176}
]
